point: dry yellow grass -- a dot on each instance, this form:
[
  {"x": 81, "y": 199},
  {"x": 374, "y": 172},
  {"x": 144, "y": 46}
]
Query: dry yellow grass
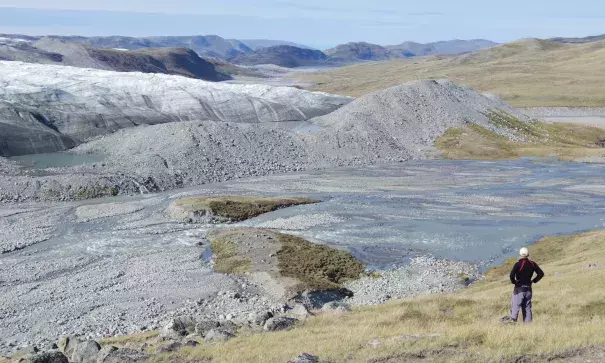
[
  {"x": 525, "y": 73},
  {"x": 463, "y": 327},
  {"x": 564, "y": 141}
]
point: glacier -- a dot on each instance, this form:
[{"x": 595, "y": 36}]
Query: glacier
[{"x": 46, "y": 108}]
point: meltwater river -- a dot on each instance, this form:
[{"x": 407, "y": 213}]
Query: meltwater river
[{"x": 110, "y": 266}]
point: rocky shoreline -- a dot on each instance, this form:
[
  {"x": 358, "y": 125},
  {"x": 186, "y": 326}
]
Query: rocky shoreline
[
  {"x": 80, "y": 291},
  {"x": 187, "y": 327}
]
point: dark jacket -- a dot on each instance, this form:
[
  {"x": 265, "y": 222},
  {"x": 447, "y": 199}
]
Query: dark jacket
[{"x": 523, "y": 272}]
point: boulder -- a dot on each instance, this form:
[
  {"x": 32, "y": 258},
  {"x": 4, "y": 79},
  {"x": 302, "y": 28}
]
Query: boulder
[
  {"x": 228, "y": 326},
  {"x": 280, "y": 323},
  {"x": 67, "y": 345},
  {"x": 318, "y": 298},
  {"x": 115, "y": 355},
  {"x": 177, "y": 328},
  {"x": 305, "y": 358},
  {"x": 261, "y": 318},
  {"x": 336, "y": 307},
  {"x": 191, "y": 343},
  {"x": 50, "y": 357},
  {"x": 217, "y": 335},
  {"x": 172, "y": 347},
  {"x": 32, "y": 349},
  {"x": 204, "y": 326},
  {"x": 299, "y": 311},
  {"x": 86, "y": 352}
]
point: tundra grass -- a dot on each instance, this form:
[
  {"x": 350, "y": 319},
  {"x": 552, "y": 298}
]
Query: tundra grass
[
  {"x": 239, "y": 208},
  {"x": 316, "y": 266},
  {"x": 525, "y": 74},
  {"x": 564, "y": 141},
  {"x": 228, "y": 260},
  {"x": 461, "y": 327}
]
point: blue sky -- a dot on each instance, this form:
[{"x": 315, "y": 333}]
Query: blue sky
[{"x": 319, "y": 23}]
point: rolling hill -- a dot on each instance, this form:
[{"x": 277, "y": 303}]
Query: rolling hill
[
  {"x": 594, "y": 38},
  {"x": 526, "y": 73}
]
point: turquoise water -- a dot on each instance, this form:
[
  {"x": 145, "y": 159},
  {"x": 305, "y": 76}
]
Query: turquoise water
[{"x": 463, "y": 210}]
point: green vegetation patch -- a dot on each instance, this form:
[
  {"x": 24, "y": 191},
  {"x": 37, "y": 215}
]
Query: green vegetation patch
[
  {"x": 96, "y": 192},
  {"x": 316, "y": 266},
  {"x": 228, "y": 261},
  {"x": 238, "y": 208}
]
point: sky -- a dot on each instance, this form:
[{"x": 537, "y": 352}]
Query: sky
[{"x": 317, "y": 23}]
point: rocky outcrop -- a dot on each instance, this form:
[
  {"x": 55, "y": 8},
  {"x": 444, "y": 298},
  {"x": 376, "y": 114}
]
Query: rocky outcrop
[
  {"x": 49, "y": 108},
  {"x": 49, "y": 357},
  {"x": 67, "y": 345},
  {"x": 217, "y": 336},
  {"x": 178, "y": 328},
  {"x": 280, "y": 323},
  {"x": 86, "y": 352},
  {"x": 305, "y": 358},
  {"x": 115, "y": 355}
]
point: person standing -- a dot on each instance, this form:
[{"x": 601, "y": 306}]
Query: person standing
[{"x": 522, "y": 276}]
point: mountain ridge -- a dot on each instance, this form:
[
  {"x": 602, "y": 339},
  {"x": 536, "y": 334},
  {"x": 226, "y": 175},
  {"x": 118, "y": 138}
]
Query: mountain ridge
[{"x": 177, "y": 61}]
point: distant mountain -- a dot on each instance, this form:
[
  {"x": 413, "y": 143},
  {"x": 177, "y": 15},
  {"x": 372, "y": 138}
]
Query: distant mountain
[
  {"x": 358, "y": 51},
  {"x": 204, "y": 45},
  {"x": 594, "y": 38},
  {"x": 412, "y": 49},
  {"x": 361, "y": 51},
  {"x": 255, "y": 44},
  {"x": 178, "y": 61},
  {"x": 282, "y": 55}
]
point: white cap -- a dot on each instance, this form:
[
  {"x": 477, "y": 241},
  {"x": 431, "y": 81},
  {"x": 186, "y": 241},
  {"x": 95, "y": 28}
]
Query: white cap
[{"x": 524, "y": 252}]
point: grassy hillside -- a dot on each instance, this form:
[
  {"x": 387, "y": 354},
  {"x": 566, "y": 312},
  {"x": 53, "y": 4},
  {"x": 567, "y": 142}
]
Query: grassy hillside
[
  {"x": 564, "y": 141},
  {"x": 525, "y": 73},
  {"x": 464, "y": 327}
]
